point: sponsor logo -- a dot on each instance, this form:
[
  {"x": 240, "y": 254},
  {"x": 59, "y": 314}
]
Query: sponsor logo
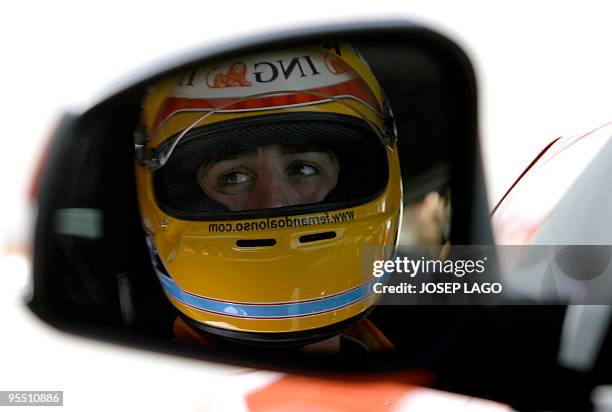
[
  {"x": 267, "y": 71},
  {"x": 262, "y": 72},
  {"x": 234, "y": 77}
]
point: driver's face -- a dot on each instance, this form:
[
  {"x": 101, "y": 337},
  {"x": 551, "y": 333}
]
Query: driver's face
[{"x": 270, "y": 176}]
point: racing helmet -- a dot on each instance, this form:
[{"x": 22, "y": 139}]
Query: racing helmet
[{"x": 289, "y": 272}]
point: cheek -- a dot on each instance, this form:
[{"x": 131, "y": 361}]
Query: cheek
[
  {"x": 329, "y": 179},
  {"x": 208, "y": 186},
  {"x": 316, "y": 190},
  {"x": 233, "y": 202}
]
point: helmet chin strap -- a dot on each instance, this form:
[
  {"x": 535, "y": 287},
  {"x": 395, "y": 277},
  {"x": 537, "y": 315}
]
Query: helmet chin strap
[{"x": 156, "y": 158}]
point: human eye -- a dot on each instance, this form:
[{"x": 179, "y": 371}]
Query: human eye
[
  {"x": 233, "y": 178},
  {"x": 302, "y": 169}
]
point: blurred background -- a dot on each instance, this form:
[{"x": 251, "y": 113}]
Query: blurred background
[{"x": 543, "y": 68}]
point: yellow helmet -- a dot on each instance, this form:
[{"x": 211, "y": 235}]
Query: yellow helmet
[{"x": 284, "y": 271}]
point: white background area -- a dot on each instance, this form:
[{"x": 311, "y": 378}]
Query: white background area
[{"x": 544, "y": 69}]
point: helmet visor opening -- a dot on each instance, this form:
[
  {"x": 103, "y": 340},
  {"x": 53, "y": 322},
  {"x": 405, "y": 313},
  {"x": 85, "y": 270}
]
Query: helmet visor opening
[{"x": 272, "y": 164}]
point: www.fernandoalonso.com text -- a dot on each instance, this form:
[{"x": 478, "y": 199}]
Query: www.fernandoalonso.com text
[{"x": 283, "y": 222}]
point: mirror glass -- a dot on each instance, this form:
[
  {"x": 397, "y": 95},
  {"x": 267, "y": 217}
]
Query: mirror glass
[{"x": 257, "y": 191}]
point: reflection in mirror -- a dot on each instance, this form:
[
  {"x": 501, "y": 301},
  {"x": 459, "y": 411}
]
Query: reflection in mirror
[
  {"x": 252, "y": 195},
  {"x": 263, "y": 179}
]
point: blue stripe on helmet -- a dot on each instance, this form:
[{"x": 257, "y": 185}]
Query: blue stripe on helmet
[{"x": 269, "y": 311}]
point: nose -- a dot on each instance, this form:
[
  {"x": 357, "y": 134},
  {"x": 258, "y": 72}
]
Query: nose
[
  {"x": 272, "y": 188},
  {"x": 271, "y": 191}
]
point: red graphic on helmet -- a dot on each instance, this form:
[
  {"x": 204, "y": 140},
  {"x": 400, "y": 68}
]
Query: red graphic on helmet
[
  {"x": 235, "y": 77},
  {"x": 335, "y": 65}
]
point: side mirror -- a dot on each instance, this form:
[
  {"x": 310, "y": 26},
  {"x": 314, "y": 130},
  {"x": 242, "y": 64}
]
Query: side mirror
[{"x": 92, "y": 268}]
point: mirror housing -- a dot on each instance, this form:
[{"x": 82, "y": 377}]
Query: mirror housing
[{"x": 90, "y": 265}]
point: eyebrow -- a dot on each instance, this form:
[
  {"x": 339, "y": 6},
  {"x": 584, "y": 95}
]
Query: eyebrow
[
  {"x": 292, "y": 149},
  {"x": 229, "y": 156},
  {"x": 285, "y": 149}
]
